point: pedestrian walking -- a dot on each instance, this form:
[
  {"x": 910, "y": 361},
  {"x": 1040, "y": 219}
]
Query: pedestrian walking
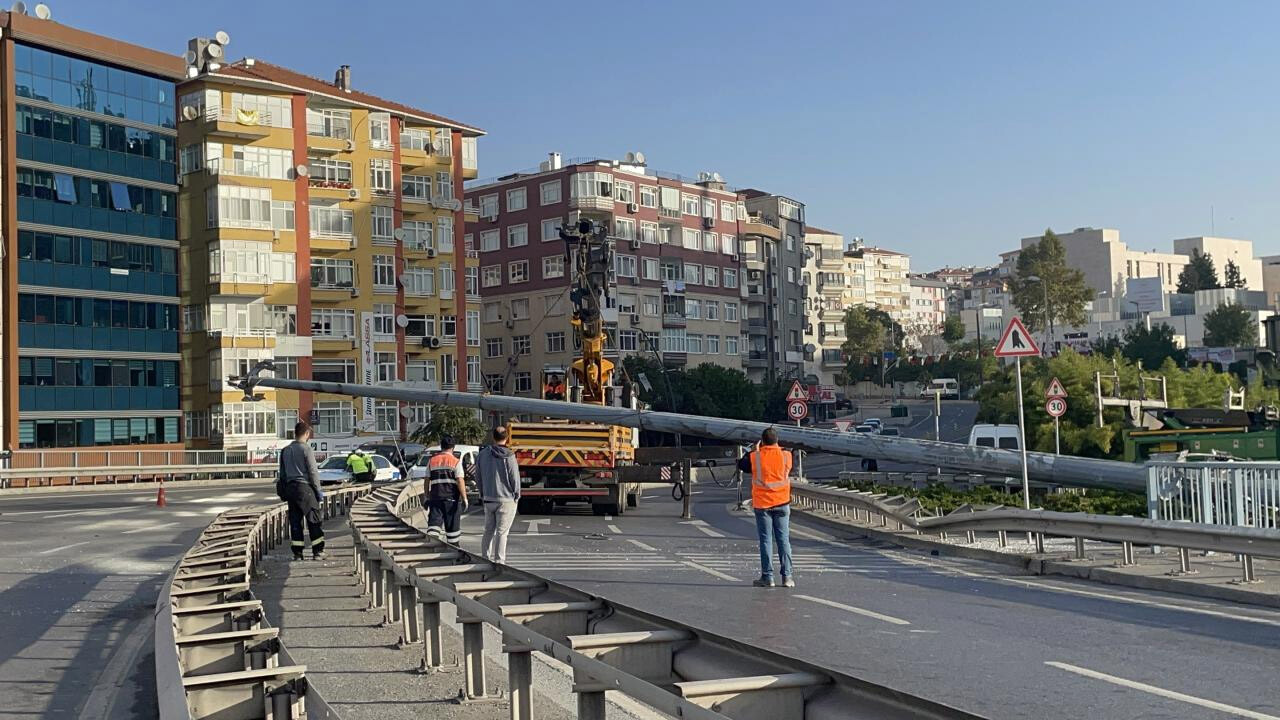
[
  {"x": 446, "y": 493},
  {"x": 360, "y": 466},
  {"x": 298, "y": 484},
  {"x": 770, "y": 469},
  {"x": 499, "y": 491}
]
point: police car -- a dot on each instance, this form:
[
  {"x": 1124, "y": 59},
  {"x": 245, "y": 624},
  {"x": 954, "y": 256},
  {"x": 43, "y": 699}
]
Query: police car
[{"x": 333, "y": 471}]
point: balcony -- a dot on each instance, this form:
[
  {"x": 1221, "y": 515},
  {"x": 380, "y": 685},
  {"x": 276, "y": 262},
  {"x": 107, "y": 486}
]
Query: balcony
[
  {"x": 330, "y": 137},
  {"x": 237, "y": 123},
  {"x": 673, "y": 320},
  {"x": 832, "y": 360},
  {"x": 412, "y": 159},
  {"x": 591, "y": 203},
  {"x": 761, "y": 225},
  {"x": 675, "y": 359},
  {"x": 239, "y": 167},
  {"x": 755, "y": 359},
  {"x": 670, "y": 215},
  {"x": 757, "y": 325}
]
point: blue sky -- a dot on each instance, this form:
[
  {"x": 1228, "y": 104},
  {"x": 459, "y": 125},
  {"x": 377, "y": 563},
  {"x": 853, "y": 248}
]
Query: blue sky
[{"x": 944, "y": 129}]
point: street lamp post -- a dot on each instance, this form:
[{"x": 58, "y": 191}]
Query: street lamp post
[{"x": 1048, "y": 319}]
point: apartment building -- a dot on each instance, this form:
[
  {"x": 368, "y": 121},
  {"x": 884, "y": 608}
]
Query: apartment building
[
  {"x": 773, "y": 267},
  {"x": 90, "y": 235},
  {"x": 928, "y": 313},
  {"x": 676, "y": 291},
  {"x": 321, "y": 229},
  {"x": 1107, "y": 261},
  {"x": 881, "y": 276},
  {"x": 827, "y": 286}
]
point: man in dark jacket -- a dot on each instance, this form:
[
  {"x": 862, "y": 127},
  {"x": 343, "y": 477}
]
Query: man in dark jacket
[
  {"x": 500, "y": 491},
  {"x": 300, "y": 487}
]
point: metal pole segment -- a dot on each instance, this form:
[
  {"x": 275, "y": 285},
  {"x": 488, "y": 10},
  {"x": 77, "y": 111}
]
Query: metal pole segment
[
  {"x": 473, "y": 659},
  {"x": 410, "y": 630},
  {"x": 686, "y": 480},
  {"x": 520, "y": 680},
  {"x": 390, "y": 596},
  {"x": 1184, "y": 561},
  {"x": 1063, "y": 470},
  {"x": 1080, "y": 548},
  {"x": 432, "y": 640},
  {"x": 591, "y": 705},
  {"x": 1246, "y": 565}
]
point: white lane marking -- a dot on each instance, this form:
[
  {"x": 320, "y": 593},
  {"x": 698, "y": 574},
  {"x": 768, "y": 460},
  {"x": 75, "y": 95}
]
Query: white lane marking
[
  {"x": 642, "y": 546},
  {"x": 615, "y": 530},
  {"x": 709, "y": 571},
  {"x": 97, "y": 511},
  {"x": 855, "y": 610},
  {"x": 533, "y": 525},
  {"x": 702, "y": 526},
  {"x": 64, "y": 547},
  {"x": 1161, "y": 692},
  {"x": 608, "y": 518},
  {"x": 161, "y": 526}
]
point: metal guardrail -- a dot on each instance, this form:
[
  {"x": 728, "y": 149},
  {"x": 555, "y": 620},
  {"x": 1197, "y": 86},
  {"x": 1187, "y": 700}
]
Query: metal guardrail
[
  {"x": 56, "y": 457},
  {"x": 1218, "y": 493},
  {"x": 214, "y": 658},
  {"x": 676, "y": 669},
  {"x": 1126, "y": 531},
  {"x": 49, "y": 477}
]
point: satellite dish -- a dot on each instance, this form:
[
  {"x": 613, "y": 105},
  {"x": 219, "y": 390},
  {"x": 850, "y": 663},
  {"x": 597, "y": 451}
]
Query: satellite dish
[
  {"x": 19, "y": 8},
  {"x": 639, "y": 157},
  {"x": 406, "y": 412},
  {"x": 398, "y": 234},
  {"x": 190, "y": 57},
  {"x": 302, "y": 170},
  {"x": 717, "y": 177},
  {"x": 43, "y": 12},
  {"x": 189, "y": 112},
  {"x": 213, "y": 50},
  {"x": 631, "y": 157},
  {"x": 810, "y": 347},
  {"x": 222, "y": 38},
  {"x": 402, "y": 320}
]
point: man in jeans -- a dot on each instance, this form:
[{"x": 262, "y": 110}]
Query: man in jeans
[
  {"x": 299, "y": 485},
  {"x": 500, "y": 491},
  {"x": 770, "y": 469}
]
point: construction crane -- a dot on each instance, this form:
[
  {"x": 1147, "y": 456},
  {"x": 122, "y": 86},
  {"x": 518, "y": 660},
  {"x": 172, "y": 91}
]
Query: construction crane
[{"x": 588, "y": 251}]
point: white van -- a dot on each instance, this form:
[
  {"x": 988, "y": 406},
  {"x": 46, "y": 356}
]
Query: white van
[
  {"x": 1001, "y": 437},
  {"x": 948, "y": 388}
]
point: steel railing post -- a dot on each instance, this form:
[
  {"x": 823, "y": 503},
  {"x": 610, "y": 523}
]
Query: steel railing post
[
  {"x": 519, "y": 678},
  {"x": 1246, "y": 566},
  {"x": 1184, "y": 561},
  {"x": 686, "y": 479},
  {"x": 432, "y": 635},
  {"x": 1126, "y": 554},
  {"x": 591, "y": 704},
  {"x": 1079, "y": 548},
  {"x": 410, "y": 629},
  {"x": 390, "y": 595},
  {"x": 473, "y": 659},
  {"x": 375, "y": 583}
]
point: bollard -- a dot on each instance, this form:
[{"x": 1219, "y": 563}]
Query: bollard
[
  {"x": 1126, "y": 552},
  {"x": 686, "y": 480},
  {"x": 1246, "y": 566},
  {"x": 519, "y": 679},
  {"x": 1039, "y": 543}
]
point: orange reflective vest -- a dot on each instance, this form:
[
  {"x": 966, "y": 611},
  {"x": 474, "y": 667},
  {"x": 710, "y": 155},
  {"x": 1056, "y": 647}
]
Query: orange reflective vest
[
  {"x": 770, "y": 484},
  {"x": 442, "y": 474}
]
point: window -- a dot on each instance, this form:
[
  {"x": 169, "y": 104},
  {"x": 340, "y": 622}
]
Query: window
[
  {"x": 551, "y": 229},
  {"x": 329, "y": 123},
  {"x": 415, "y": 188},
  {"x": 710, "y": 242},
  {"x": 520, "y": 309},
  {"x": 553, "y": 305},
  {"x": 628, "y": 340},
  {"x": 708, "y": 208},
  {"x": 791, "y": 243},
  {"x": 190, "y": 159},
  {"x": 384, "y": 320},
  {"x": 415, "y": 139},
  {"x": 269, "y": 110},
  {"x": 624, "y": 228},
  {"x": 729, "y": 244},
  {"x": 491, "y": 276},
  {"x": 523, "y": 382},
  {"x": 490, "y": 240},
  {"x": 713, "y": 344},
  {"x": 236, "y": 206},
  {"x": 552, "y": 267},
  {"x": 549, "y": 192},
  {"x": 493, "y": 347},
  {"x": 421, "y": 371},
  {"x": 520, "y": 345},
  {"x": 670, "y": 201},
  {"x": 626, "y": 303},
  {"x": 329, "y": 220},
  {"x": 383, "y": 229},
  {"x": 625, "y": 265},
  {"x": 516, "y": 200},
  {"x": 692, "y": 308},
  {"x": 419, "y": 415},
  {"x": 693, "y": 273},
  {"x": 650, "y": 268},
  {"x": 282, "y": 318},
  {"x": 386, "y": 366},
  {"x": 711, "y": 276},
  {"x": 417, "y": 235},
  {"x": 693, "y": 343},
  {"x": 380, "y": 176},
  {"x": 444, "y": 184},
  {"x": 341, "y": 370},
  {"x": 489, "y": 206},
  {"x": 243, "y": 419},
  {"x": 493, "y": 383},
  {"x": 444, "y": 233},
  {"x": 333, "y": 323},
  {"x": 380, "y": 130},
  {"x": 327, "y": 172},
  {"x": 446, "y": 281},
  {"x": 727, "y": 211},
  {"x": 419, "y": 281},
  {"x": 592, "y": 184},
  {"x": 517, "y": 235},
  {"x": 791, "y": 274},
  {"x": 384, "y": 272},
  {"x": 449, "y": 326},
  {"x": 730, "y": 344},
  {"x": 731, "y": 312},
  {"x": 473, "y": 328},
  {"x": 673, "y": 340},
  {"x": 624, "y": 192},
  {"x": 335, "y": 417},
  {"x": 730, "y": 278},
  {"x": 650, "y": 305},
  {"x": 196, "y": 424},
  {"x": 690, "y": 204},
  {"x": 282, "y": 214},
  {"x": 518, "y": 271},
  {"x": 791, "y": 209},
  {"x": 332, "y": 273},
  {"x": 648, "y": 196},
  {"x": 555, "y": 342},
  {"x": 444, "y": 142},
  {"x": 416, "y": 326},
  {"x": 493, "y": 310},
  {"x": 791, "y": 306}
]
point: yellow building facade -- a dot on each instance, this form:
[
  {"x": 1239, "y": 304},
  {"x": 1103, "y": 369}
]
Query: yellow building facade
[{"x": 321, "y": 228}]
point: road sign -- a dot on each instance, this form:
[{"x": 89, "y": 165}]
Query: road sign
[
  {"x": 797, "y": 393},
  {"x": 1055, "y": 390},
  {"x": 842, "y": 425},
  {"x": 1056, "y": 407},
  {"x": 797, "y": 410},
  {"x": 1016, "y": 341}
]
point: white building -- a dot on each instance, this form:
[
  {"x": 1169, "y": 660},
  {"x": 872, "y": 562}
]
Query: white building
[
  {"x": 1223, "y": 250},
  {"x": 928, "y": 313},
  {"x": 1107, "y": 261},
  {"x": 826, "y": 284}
]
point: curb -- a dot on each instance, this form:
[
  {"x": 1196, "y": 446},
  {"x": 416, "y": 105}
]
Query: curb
[{"x": 1052, "y": 564}]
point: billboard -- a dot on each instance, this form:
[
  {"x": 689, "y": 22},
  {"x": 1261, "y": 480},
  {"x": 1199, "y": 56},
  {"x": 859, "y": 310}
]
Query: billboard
[
  {"x": 368, "y": 363},
  {"x": 1146, "y": 295}
]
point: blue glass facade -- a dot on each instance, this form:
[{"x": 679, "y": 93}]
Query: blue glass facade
[{"x": 81, "y": 176}]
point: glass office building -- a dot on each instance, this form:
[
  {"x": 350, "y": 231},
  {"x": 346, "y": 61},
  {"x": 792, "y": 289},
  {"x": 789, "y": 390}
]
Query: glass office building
[{"x": 93, "y": 232}]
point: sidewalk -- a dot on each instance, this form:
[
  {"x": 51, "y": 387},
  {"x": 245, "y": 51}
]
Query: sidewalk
[{"x": 1213, "y": 576}]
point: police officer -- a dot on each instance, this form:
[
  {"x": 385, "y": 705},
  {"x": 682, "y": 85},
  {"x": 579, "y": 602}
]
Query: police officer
[
  {"x": 360, "y": 466},
  {"x": 299, "y": 483},
  {"x": 446, "y": 493},
  {"x": 770, "y": 469}
]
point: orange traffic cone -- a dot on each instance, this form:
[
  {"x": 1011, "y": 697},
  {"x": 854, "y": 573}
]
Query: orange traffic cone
[{"x": 160, "y": 496}]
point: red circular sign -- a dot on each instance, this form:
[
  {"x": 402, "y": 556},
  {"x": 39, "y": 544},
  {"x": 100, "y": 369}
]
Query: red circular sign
[
  {"x": 1056, "y": 407},
  {"x": 797, "y": 410}
]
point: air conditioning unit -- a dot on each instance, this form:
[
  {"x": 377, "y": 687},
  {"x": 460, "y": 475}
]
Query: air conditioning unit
[
  {"x": 734, "y": 257},
  {"x": 511, "y": 324},
  {"x": 349, "y": 145},
  {"x": 633, "y": 208},
  {"x": 182, "y": 180},
  {"x": 635, "y": 318},
  {"x": 355, "y": 292},
  {"x": 708, "y": 223},
  {"x": 431, "y": 252},
  {"x": 353, "y": 194},
  {"x": 635, "y": 244},
  {"x": 431, "y": 341}
]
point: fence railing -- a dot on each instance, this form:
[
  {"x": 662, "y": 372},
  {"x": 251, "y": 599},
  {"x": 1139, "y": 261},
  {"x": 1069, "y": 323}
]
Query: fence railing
[
  {"x": 89, "y": 458},
  {"x": 214, "y": 655},
  {"x": 1246, "y": 494},
  {"x": 676, "y": 669},
  {"x": 115, "y": 475}
]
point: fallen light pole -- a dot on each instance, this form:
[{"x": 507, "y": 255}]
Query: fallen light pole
[{"x": 1045, "y": 467}]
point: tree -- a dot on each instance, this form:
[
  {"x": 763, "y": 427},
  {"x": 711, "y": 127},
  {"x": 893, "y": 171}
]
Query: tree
[
  {"x": 864, "y": 335},
  {"x": 1064, "y": 285},
  {"x": 1230, "y": 325},
  {"x": 717, "y": 391},
  {"x": 1198, "y": 274},
  {"x": 1231, "y": 276},
  {"x": 462, "y": 423},
  {"x": 953, "y": 329},
  {"x": 1151, "y": 347}
]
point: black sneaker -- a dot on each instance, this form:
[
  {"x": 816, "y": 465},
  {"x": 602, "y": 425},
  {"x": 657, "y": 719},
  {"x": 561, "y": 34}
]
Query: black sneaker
[
  {"x": 763, "y": 582},
  {"x": 297, "y": 557}
]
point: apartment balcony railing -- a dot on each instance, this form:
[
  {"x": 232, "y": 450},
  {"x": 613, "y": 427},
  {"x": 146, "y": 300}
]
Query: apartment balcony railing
[
  {"x": 338, "y": 131},
  {"x": 242, "y": 332},
  {"x": 329, "y": 184},
  {"x": 239, "y": 167},
  {"x": 670, "y": 214}
]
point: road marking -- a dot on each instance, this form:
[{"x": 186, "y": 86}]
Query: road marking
[
  {"x": 64, "y": 547},
  {"x": 1161, "y": 692},
  {"x": 642, "y": 546},
  {"x": 615, "y": 530},
  {"x": 608, "y": 518},
  {"x": 96, "y": 511},
  {"x": 702, "y": 526},
  {"x": 709, "y": 571},
  {"x": 533, "y": 525},
  {"x": 855, "y": 610},
  {"x": 161, "y": 526}
]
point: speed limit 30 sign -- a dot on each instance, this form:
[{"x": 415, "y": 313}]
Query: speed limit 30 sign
[
  {"x": 797, "y": 410},
  {"x": 1056, "y": 407}
]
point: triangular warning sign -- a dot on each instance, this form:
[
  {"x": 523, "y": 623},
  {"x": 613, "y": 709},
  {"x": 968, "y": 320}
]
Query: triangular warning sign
[
  {"x": 797, "y": 392},
  {"x": 842, "y": 425},
  {"x": 1055, "y": 390},
  {"x": 1016, "y": 341}
]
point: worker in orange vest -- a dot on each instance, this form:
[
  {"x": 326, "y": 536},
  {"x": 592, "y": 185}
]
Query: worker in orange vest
[
  {"x": 770, "y": 469},
  {"x": 555, "y": 388}
]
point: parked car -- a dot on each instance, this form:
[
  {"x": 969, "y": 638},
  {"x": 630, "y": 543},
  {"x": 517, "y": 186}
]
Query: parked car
[
  {"x": 468, "y": 453},
  {"x": 333, "y": 471},
  {"x": 948, "y": 388},
  {"x": 890, "y": 432},
  {"x": 874, "y": 422},
  {"x": 392, "y": 452},
  {"x": 865, "y": 428}
]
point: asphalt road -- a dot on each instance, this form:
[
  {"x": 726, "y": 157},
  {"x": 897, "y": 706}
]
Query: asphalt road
[
  {"x": 954, "y": 424},
  {"x": 973, "y": 635},
  {"x": 79, "y": 575}
]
